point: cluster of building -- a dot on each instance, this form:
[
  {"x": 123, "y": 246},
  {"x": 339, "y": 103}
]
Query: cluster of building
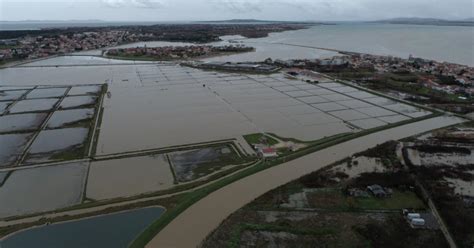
[
  {"x": 462, "y": 76},
  {"x": 240, "y": 66},
  {"x": 30, "y": 47},
  {"x": 178, "y": 52}
]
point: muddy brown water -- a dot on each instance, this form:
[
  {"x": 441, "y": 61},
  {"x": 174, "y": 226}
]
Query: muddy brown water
[
  {"x": 42, "y": 189},
  {"x": 195, "y": 223},
  {"x": 128, "y": 176}
]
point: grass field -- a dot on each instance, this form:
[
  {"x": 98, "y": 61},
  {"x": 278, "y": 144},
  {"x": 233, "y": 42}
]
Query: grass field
[
  {"x": 337, "y": 200},
  {"x": 259, "y": 138}
]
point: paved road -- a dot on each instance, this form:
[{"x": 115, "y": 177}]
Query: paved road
[{"x": 191, "y": 227}]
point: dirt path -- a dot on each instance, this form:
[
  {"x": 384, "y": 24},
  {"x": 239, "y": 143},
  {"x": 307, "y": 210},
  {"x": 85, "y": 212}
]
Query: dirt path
[{"x": 191, "y": 227}]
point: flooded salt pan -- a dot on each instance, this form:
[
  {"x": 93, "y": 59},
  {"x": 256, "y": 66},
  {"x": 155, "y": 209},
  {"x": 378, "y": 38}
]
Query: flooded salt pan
[
  {"x": 128, "y": 177},
  {"x": 11, "y": 94},
  {"x": 33, "y": 105},
  {"x": 55, "y": 143},
  {"x": 4, "y": 106},
  {"x": 12, "y": 146},
  {"x": 77, "y": 101},
  {"x": 64, "y": 118},
  {"x": 42, "y": 189},
  {"x": 368, "y": 123},
  {"x": 21, "y": 122},
  {"x": 46, "y": 93},
  {"x": 84, "y": 90}
]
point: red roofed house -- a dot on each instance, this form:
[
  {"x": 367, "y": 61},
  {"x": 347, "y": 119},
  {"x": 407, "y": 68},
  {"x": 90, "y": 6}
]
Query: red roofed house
[{"x": 267, "y": 153}]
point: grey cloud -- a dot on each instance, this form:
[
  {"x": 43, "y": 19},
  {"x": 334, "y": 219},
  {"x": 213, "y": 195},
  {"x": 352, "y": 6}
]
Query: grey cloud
[{"x": 175, "y": 10}]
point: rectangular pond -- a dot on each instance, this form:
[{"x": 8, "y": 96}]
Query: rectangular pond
[
  {"x": 84, "y": 90},
  {"x": 46, "y": 93},
  {"x": 12, "y": 147},
  {"x": 41, "y": 189},
  {"x": 65, "y": 118},
  {"x": 58, "y": 144},
  {"x": 128, "y": 176},
  {"x": 77, "y": 101},
  {"x": 34, "y": 105},
  {"x": 116, "y": 230},
  {"x": 21, "y": 122},
  {"x": 11, "y": 94}
]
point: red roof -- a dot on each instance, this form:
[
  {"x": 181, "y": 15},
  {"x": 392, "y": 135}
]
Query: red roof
[{"x": 268, "y": 150}]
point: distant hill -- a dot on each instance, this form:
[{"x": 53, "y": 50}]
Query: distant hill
[
  {"x": 429, "y": 21},
  {"x": 252, "y": 21}
]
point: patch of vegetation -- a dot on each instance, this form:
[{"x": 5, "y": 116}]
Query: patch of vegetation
[
  {"x": 398, "y": 200},
  {"x": 336, "y": 199},
  {"x": 260, "y": 138},
  {"x": 458, "y": 218},
  {"x": 80, "y": 123},
  {"x": 71, "y": 154},
  {"x": 443, "y": 149},
  {"x": 396, "y": 233},
  {"x": 386, "y": 152},
  {"x": 397, "y": 179},
  {"x": 234, "y": 241}
]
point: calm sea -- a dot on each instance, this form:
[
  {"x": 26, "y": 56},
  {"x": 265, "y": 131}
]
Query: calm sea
[{"x": 442, "y": 43}]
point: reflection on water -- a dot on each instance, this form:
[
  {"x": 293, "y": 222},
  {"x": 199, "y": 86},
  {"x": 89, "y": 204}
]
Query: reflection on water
[{"x": 12, "y": 146}]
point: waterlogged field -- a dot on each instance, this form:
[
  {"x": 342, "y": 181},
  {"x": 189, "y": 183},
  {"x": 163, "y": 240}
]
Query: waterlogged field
[
  {"x": 41, "y": 189},
  {"x": 165, "y": 100},
  {"x": 128, "y": 177},
  {"x": 33, "y": 130}
]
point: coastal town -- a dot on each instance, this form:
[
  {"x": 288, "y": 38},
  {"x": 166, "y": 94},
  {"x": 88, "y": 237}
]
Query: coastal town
[
  {"x": 176, "y": 52},
  {"x": 33, "y": 44},
  {"x": 31, "y": 47},
  {"x": 461, "y": 77}
]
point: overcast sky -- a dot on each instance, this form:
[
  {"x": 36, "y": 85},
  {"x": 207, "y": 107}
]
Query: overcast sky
[{"x": 192, "y": 10}]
